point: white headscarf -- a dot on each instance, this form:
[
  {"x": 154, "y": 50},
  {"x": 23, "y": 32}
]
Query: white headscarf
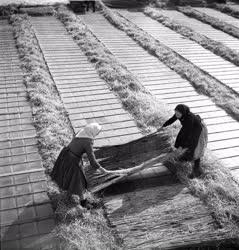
[{"x": 91, "y": 130}]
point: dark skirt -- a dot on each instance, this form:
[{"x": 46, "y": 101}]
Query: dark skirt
[{"x": 68, "y": 172}]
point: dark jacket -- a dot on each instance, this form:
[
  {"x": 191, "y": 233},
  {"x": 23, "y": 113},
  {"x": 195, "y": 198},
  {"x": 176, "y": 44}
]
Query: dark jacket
[
  {"x": 189, "y": 134},
  {"x": 79, "y": 146}
]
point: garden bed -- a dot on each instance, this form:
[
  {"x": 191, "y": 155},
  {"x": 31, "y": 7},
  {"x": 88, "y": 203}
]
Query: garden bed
[
  {"x": 80, "y": 229},
  {"x": 227, "y": 9},
  {"x": 215, "y": 189},
  {"x": 217, "y": 48},
  {"x": 213, "y": 21},
  {"x": 76, "y": 228},
  {"x": 221, "y": 95},
  {"x": 148, "y": 111}
]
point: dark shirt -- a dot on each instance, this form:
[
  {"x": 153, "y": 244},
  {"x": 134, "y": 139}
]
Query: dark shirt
[
  {"x": 189, "y": 134},
  {"x": 79, "y": 146}
]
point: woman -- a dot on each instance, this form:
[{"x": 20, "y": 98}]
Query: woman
[
  {"x": 68, "y": 170},
  {"x": 193, "y": 136}
]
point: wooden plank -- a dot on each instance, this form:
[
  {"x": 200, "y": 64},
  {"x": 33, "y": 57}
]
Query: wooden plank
[
  {"x": 203, "y": 28},
  {"x": 21, "y": 170},
  {"x": 156, "y": 29},
  {"x": 165, "y": 87},
  {"x": 231, "y": 162},
  {"x": 219, "y": 15},
  {"x": 77, "y": 97},
  {"x": 224, "y": 144},
  {"x": 227, "y": 152}
]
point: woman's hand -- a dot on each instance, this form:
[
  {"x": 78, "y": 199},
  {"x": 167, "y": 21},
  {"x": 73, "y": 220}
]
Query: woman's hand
[{"x": 102, "y": 170}]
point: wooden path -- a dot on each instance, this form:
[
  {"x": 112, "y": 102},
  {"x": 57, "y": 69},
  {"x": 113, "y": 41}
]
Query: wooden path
[
  {"x": 204, "y": 29},
  {"x": 145, "y": 213},
  {"x": 86, "y": 97},
  {"x": 25, "y": 212},
  {"x": 219, "y": 15},
  {"x": 153, "y": 206},
  {"x": 170, "y": 87},
  {"x": 195, "y": 53}
]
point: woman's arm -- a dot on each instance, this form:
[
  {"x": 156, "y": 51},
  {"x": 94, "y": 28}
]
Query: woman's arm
[
  {"x": 91, "y": 156},
  {"x": 170, "y": 121}
]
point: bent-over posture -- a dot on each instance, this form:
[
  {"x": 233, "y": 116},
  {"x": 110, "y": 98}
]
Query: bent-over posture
[
  {"x": 193, "y": 136},
  {"x": 68, "y": 170}
]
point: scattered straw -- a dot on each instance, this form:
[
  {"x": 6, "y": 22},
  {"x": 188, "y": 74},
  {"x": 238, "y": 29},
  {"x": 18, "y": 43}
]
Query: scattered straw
[
  {"x": 53, "y": 127},
  {"x": 217, "y": 48},
  {"x": 147, "y": 110},
  {"x": 77, "y": 228},
  {"x": 228, "y": 9},
  {"x": 213, "y": 21},
  {"x": 221, "y": 206},
  {"x": 220, "y": 94}
]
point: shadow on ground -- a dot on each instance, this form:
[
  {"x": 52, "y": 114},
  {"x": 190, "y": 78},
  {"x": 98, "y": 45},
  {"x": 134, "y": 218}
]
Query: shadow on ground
[{"x": 29, "y": 227}]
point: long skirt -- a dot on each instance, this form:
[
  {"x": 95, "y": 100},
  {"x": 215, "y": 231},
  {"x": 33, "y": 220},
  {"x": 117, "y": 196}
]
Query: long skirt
[
  {"x": 202, "y": 143},
  {"x": 68, "y": 172}
]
